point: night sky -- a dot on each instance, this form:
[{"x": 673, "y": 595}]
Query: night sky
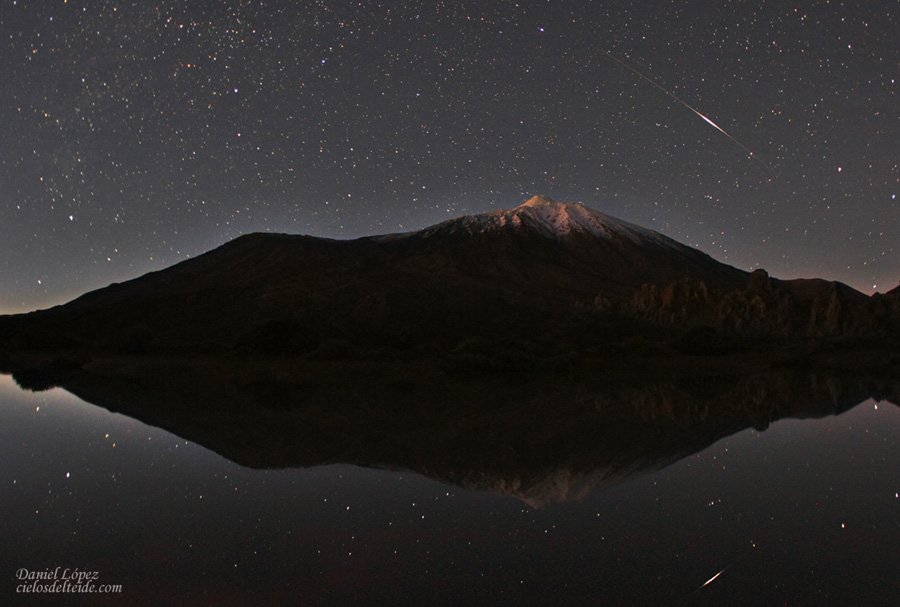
[{"x": 137, "y": 134}]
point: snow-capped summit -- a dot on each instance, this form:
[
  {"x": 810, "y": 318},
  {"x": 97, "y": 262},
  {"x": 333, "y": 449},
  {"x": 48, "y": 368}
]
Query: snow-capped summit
[
  {"x": 558, "y": 218},
  {"x": 544, "y": 213},
  {"x": 547, "y": 217}
]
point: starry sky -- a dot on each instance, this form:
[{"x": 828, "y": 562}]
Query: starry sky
[{"x": 137, "y": 134}]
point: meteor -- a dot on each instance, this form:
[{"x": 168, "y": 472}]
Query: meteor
[
  {"x": 708, "y": 582},
  {"x": 688, "y": 106},
  {"x": 712, "y": 579}
]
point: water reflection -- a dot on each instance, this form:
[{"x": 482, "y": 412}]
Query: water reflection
[
  {"x": 543, "y": 440},
  {"x": 800, "y": 512}
]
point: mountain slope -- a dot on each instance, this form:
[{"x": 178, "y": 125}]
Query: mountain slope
[{"x": 573, "y": 247}]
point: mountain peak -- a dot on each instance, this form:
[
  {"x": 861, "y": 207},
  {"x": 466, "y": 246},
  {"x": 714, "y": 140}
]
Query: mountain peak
[
  {"x": 539, "y": 200},
  {"x": 561, "y": 218},
  {"x": 543, "y": 215}
]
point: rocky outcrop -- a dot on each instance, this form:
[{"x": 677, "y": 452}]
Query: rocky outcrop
[
  {"x": 883, "y": 313},
  {"x": 831, "y": 315},
  {"x": 763, "y": 309},
  {"x": 685, "y": 302},
  {"x": 769, "y": 308}
]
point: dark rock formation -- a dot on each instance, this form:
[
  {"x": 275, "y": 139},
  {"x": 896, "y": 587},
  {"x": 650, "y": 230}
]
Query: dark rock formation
[{"x": 769, "y": 309}]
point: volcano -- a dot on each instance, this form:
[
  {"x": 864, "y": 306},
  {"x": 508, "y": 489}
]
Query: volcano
[{"x": 542, "y": 279}]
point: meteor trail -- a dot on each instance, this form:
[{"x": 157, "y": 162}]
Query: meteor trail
[
  {"x": 688, "y": 106},
  {"x": 708, "y": 582}
]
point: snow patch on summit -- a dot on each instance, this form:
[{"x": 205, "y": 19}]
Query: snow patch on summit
[{"x": 557, "y": 219}]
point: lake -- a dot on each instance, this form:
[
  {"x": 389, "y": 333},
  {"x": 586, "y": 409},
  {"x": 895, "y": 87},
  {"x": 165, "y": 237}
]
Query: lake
[{"x": 804, "y": 512}]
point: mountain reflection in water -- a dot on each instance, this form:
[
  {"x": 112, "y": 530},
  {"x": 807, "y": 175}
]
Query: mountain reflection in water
[
  {"x": 542, "y": 439},
  {"x": 806, "y": 512}
]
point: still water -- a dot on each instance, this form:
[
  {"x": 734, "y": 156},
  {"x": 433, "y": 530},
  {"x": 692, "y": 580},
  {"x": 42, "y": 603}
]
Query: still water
[{"x": 805, "y": 512}]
